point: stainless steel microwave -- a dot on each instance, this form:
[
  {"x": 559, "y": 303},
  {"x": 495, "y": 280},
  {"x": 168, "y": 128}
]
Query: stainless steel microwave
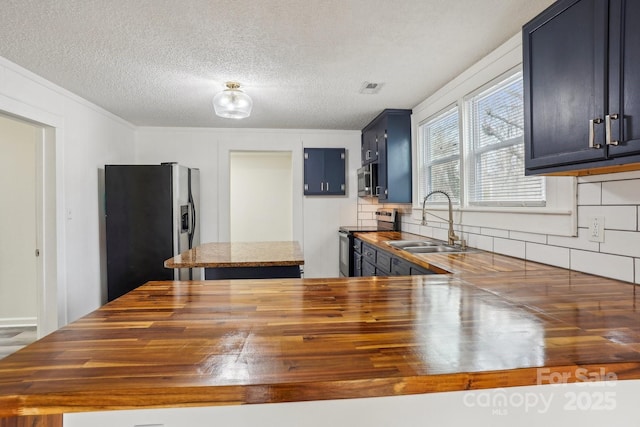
[{"x": 368, "y": 180}]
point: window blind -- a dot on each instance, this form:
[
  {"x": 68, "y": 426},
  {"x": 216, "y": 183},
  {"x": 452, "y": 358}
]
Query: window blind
[
  {"x": 495, "y": 146},
  {"x": 441, "y": 156}
]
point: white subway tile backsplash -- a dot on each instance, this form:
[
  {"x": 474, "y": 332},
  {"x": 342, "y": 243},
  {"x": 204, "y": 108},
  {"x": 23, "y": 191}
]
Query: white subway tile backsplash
[
  {"x": 621, "y": 243},
  {"x": 616, "y": 267},
  {"x": 471, "y": 229},
  {"x": 580, "y": 242},
  {"x": 589, "y": 193},
  {"x": 369, "y": 208},
  {"x": 528, "y": 237},
  {"x": 495, "y": 232},
  {"x": 512, "y": 248},
  {"x": 545, "y": 254},
  {"x": 440, "y": 234},
  {"x": 479, "y": 241},
  {"x": 410, "y": 228},
  {"x": 621, "y": 192},
  {"x": 615, "y": 217},
  {"x": 616, "y": 197}
]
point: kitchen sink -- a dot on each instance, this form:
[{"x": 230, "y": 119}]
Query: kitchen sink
[
  {"x": 432, "y": 249},
  {"x": 424, "y": 246},
  {"x": 401, "y": 244}
]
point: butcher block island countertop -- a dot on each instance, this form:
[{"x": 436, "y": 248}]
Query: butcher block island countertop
[
  {"x": 492, "y": 323},
  {"x": 239, "y": 254}
]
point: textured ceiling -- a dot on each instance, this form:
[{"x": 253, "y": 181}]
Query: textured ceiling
[{"x": 303, "y": 62}]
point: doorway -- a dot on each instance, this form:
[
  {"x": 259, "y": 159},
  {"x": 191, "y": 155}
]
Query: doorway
[
  {"x": 19, "y": 273},
  {"x": 46, "y": 129},
  {"x": 261, "y": 196}
]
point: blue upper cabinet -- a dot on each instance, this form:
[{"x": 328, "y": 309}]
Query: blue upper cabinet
[
  {"x": 324, "y": 171},
  {"x": 582, "y": 87},
  {"x": 392, "y": 130}
]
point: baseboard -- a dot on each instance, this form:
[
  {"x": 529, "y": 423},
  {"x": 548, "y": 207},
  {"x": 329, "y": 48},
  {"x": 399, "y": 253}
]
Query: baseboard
[{"x": 13, "y": 322}]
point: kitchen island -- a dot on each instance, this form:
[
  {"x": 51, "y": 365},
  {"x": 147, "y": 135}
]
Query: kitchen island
[
  {"x": 243, "y": 260},
  {"x": 207, "y": 343}
]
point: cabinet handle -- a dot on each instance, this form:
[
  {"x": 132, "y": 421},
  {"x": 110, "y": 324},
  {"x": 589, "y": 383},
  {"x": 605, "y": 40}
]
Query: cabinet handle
[
  {"x": 322, "y": 186},
  {"x": 378, "y": 190},
  {"x": 607, "y": 129},
  {"x": 327, "y": 186},
  {"x": 367, "y": 155},
  {"x": 592, "y": 132}
]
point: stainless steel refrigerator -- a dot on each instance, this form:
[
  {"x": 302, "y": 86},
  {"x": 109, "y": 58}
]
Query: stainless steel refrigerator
[{"x": 151, "y": 215}]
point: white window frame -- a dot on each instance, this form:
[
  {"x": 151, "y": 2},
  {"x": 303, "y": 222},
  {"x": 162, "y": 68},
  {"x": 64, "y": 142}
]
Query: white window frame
[
  {"x": 470, "y": 156},
  {"x": 421, "y": 152},
  {"x": 557, "y": 217}
]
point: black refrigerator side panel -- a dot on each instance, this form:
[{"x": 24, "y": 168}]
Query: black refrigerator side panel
[{"x": 139, "y": 225}]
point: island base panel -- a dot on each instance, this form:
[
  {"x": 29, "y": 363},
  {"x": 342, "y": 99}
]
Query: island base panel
[{"x": 271, "y": 272}]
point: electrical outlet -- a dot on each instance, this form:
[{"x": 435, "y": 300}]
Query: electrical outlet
[{"x": 596, "y": 229}]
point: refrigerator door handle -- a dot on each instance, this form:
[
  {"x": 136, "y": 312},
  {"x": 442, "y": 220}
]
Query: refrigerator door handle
[{"x": 192, "y": 218}]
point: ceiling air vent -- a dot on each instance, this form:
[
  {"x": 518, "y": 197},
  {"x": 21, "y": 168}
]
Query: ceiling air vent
[{"x": 370, "y": 88}]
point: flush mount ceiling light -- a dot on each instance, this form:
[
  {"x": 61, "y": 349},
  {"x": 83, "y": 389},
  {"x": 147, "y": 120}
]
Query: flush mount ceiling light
[{"x": 232, "y": 103}]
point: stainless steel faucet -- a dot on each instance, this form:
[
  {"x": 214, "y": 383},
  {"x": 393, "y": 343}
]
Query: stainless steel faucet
[{"x": 452, "y": 238}]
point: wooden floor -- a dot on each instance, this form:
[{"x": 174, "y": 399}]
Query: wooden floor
[{"x": 13, "y": 339}]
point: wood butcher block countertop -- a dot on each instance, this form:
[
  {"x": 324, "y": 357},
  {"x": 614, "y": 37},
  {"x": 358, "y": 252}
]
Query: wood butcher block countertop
[
  {"x": 239, "y": 254},
  {"x": 492, "y": 323}
]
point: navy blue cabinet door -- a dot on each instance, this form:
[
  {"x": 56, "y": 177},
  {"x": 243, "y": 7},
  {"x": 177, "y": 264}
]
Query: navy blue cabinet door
[
  {"x": 324, "y": 171},
  {"x": 369, "y": 146},
  {"x": 394, "y": 157},
  {"x": 565, "y": 69},
  {"x": 581, "y": 86},
  {"x": 624, "y": 77}
]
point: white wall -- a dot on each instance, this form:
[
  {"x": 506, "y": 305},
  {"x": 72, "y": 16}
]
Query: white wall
[
  {"x": 83, "y": 138},
  {"x": 315, "y": 219},
  {"x": 18, "y": 224}
]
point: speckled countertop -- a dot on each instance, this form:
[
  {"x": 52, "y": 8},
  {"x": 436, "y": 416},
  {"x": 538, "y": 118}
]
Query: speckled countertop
[{"x": 239, "y": 254}]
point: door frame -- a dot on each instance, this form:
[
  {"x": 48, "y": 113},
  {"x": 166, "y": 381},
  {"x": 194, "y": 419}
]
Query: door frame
[
  {"x": 50, "y": 265},
  {"x": 264, "y": 142}
]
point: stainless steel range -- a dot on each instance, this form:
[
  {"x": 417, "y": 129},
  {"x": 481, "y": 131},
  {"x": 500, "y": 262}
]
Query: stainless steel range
[{"x": 386, "y": 220}]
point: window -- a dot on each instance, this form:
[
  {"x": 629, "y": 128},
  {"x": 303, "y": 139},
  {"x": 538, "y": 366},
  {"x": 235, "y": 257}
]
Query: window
[
  {"x": 440, "y": 148},
  {"x": 495, "y": 147},
  {"x": 487, "y": 177},
  {"x": 493, "y": 158}
]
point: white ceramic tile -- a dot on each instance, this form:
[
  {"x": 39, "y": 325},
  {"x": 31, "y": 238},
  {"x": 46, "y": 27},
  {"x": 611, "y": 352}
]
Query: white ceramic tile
[
  {"x": 580, "y": 242},
  {"x": 613, "y": 266},
  {"x": 495, "y": 232},
  {"x": 615, "y": 217},
  {"x": 621, "y": 192},
  {"x": 367, "y": 223},
  {"x": 589, "y": 193},
  {"x": 621, "y": 243},
  {"x": 440, "y": 234},
  {"x": 514, "y": 248},
  {"x": 479, "y": 241},
  {"x": 410, "y": 228},
  {"x": 366, "y": 215},
  {"x": 369, "y": 208},
  {"x": 528, "y": 237},
  {"x": 617, "y": 176},
  {"x": 545, "y": 254},
  {"x": 471, "y": 229}
]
